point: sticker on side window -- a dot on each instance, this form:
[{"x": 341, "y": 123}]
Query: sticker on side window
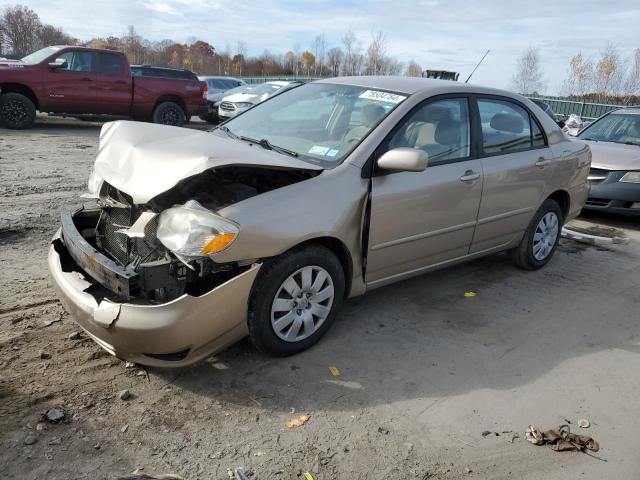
[{"x": 380, "y": 96}]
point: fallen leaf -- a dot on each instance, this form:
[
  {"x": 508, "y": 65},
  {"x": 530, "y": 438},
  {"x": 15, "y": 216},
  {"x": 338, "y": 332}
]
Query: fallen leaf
[
  {"x": 334, "y": 371},
  {"x": 307, "y": 476},
  {"x": 298, "y": 421},
  {"x": 470, "y": 294}
]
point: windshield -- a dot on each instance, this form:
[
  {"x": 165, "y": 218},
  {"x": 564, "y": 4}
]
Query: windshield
[
  {"x": 616, "y": 128},
  {"x": 320, "y": 123},
  {"x": 37, "y": 57},
  {"x": 265, "y": 88}
]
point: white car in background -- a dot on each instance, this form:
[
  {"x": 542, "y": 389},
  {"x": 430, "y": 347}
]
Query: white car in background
[{"x": 240, "y": 102}]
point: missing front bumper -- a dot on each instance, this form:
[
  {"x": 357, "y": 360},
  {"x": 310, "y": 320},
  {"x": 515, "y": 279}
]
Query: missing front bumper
[{"x": 153, "y": 334}]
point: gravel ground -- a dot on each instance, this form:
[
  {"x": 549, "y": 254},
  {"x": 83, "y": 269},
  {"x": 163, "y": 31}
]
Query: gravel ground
[{"x": 424, "y": 370}]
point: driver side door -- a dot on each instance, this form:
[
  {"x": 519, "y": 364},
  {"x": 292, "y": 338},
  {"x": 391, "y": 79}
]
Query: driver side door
[
  {"x": 423, "y": 219},
  {"x": 72, "y": 89}
]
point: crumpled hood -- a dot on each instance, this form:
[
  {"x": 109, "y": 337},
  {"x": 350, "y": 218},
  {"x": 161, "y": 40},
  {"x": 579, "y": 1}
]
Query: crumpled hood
[
  {"x": 614, "y": 156},
  {"x": 144, "y": 159}
]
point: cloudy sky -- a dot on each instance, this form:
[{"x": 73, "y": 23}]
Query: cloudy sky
[{"x": 440, "y": 34}]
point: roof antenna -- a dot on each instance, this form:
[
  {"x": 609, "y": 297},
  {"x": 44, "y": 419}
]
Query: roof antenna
[{"x": 474, "y": 70}]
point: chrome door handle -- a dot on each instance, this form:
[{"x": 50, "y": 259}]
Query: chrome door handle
[
  {"x": 543, "y": 162},
  {"x": 469, "y": 176}
]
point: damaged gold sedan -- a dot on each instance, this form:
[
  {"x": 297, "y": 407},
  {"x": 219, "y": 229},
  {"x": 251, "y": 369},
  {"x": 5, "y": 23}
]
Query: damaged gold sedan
[{"x": 265, "y": 224}]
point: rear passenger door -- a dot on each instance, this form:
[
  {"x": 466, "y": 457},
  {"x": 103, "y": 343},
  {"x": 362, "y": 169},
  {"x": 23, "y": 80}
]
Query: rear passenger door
[
  {"x": 113, "y": 84},
  {"x": 517, "y": 164}
]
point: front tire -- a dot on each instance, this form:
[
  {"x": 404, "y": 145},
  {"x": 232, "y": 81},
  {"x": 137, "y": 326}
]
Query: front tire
[
  {"x": 16, "y": 111},
  {"x": 295, "y": 300},
  {"x": 169, "y": 113},
  {"x": 541, "y": 237}
]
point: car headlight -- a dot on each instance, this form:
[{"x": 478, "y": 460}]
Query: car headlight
[
  {"x": 94, "y": 184},
  {"x": 631, "y": 177},
  {"x": 190, "y": 230},
  {"x": 243, "y": 104}
]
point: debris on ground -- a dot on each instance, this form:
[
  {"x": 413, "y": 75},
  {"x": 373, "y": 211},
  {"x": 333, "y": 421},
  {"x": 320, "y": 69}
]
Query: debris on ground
[
  {"x": 485, "y": 433},
  {"x": 470, "y": 294},
  {"x": 334, "y": 371},
  {"x": 307, "y": 476},
  {"x": 561, "y": 439},
  {"x": 146, "y": 476},
  {"x": 383, "y": 430},
  {"x": 55, "y": 441},
  {"x": 75, "y": 336},
  {"x": 54, "y": 415},
  {"x": 583, "y": 236},
  {"x": 298, "y": 421},
  {"x": 48, "y": 323},
  {"x": 584, "y": 423},
  {"x": 30, "y": 439},
  {"x": 129, "y": 365},
  {"x": 45, "y": 355},
  {"x": 238, "y": 474},
  {"x": 125, "y": 395}
]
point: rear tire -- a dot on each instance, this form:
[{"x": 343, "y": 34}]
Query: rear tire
[
  {"x": 274, "y": 314},
  {"x": 169, "y": 113},
  {"x": 541, "y": 237},
  {"x": 16, "y": 111}
]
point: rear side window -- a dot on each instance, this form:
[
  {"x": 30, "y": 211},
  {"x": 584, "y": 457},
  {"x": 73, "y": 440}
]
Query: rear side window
[
  {"x": 168, "y": 73},
  {"x": 110, "y": 64},
  {"x": 507, "y": 127}
]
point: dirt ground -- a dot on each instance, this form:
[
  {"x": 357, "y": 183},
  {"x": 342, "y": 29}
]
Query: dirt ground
[{"x": 424, "y": 370}]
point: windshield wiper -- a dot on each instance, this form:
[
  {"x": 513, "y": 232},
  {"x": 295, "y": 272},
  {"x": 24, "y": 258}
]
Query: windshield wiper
[
  {"x": 267, "y": 145},
  {"x": 226, "y": 130},
  {"x": 591, "y": 139}
]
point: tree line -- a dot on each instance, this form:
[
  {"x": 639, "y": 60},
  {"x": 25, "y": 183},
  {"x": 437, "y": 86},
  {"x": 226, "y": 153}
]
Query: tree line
[
  {"x": 605, "y": 77},
  {"x": 22, "y": 32}
]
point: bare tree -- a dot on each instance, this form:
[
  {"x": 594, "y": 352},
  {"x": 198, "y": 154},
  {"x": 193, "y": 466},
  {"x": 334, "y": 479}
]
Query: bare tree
[
  {"x": 349, "y": 43},
  {"x": 376, "y": 53},
  {"x": 632, "y": 82},
  {"x": 50, "y": 35},
  {"x": 528, "y": 76},
  {"x": 413, "y": 69},
  {"x": 20, "y": 29},
  {"x": 335, "y": 57}
]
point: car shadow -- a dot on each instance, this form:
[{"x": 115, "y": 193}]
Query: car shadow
[{"x": 424, "y": 338}]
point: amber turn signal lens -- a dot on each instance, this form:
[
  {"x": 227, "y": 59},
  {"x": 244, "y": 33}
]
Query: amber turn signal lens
[{"x": 217, "y": 243}]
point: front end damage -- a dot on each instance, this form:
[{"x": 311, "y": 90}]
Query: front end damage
[{"x": 142, "y": 301}]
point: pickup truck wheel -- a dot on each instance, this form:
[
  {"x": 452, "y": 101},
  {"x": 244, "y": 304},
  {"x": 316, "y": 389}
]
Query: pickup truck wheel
[
  {"x": 16, "y": 111},
  {"x": 295, "y": 300},
  {"x": 541, "y": 237},
  {"x": 169, "y": 113}
]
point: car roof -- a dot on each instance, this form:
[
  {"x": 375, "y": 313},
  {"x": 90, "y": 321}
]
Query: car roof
[
  {"x": 411, "y": 85},
  {"x": 280, "y": 83},
  {"x": 217, "y": 77},
  {"x": 632, "y": 110}
]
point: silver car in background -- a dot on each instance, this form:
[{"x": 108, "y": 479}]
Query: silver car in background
[
  {"x": 239, "y": 102},
  {"x": 217, "y": 87},
  {"x": 266, "y": 224}
]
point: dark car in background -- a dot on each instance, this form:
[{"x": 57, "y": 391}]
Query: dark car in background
[
  {"x": 614, "y": 177},
  {"x": 217, "y": 89}
]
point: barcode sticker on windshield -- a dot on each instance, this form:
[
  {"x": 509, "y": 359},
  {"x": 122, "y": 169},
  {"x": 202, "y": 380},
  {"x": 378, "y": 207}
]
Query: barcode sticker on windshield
[{"x": 379, "y": 96}]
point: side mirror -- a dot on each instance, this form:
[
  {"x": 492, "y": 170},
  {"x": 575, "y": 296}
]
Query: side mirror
[
  {"x": 404, "y": 160},
  {"x": 58, "y": 63}
]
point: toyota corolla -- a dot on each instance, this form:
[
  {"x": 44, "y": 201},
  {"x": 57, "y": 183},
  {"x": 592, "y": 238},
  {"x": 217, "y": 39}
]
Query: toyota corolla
[{"x": 266, "y": 224}]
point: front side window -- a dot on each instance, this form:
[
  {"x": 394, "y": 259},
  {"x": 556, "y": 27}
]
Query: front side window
[
  {"x": 317, "y": 122},
  {"x": 77, "y": 61},
  {"x": 440, "y": 128},
  {"x": 110, "y": 64},
  {"x": 507, "y": 127},
  {"x": 616, "y": 128}
]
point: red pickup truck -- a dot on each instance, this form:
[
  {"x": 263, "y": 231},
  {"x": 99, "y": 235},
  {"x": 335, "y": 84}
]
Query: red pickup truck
[{"x": 78, "y": 80}]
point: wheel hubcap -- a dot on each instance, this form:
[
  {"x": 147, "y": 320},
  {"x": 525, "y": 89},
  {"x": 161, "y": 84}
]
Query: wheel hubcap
[
  {"x": 302, "y": 304},
  {"x": 545, "y": 236}
]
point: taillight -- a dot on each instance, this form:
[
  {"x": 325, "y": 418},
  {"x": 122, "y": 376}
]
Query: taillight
[
  {"x": 205, "y": 89},
  {"x": 589, "y": 156}
]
